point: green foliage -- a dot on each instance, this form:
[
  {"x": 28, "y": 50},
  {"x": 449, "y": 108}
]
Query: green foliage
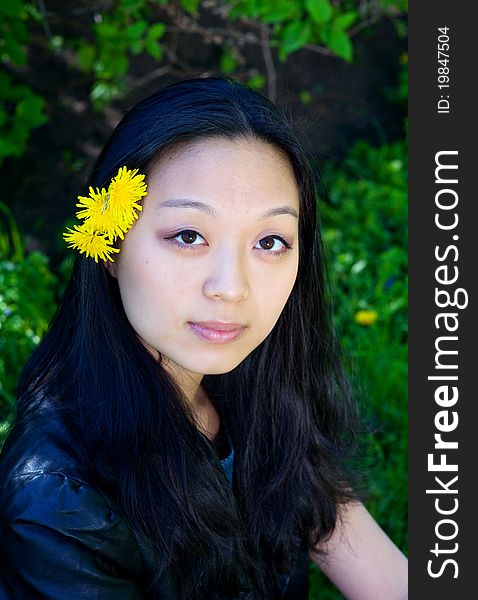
[
  {"x": 305, "y": 97},
  {"x": 27, "y": 301},
  {"x": 320, "y": 10},
  {"x": 228, "y": 61},
  {"x": 13, "y": 31},
  {"x": 125, "y": 31},
  {"x": 399, "y": 93},
  {"x": 293, "y": 36},
  {"x": 21, "y": 110},
  {"x": 11, "y": 243},
  {"x": 257, "y": 82},
  {"x": 190, "y": 6},
  {"x": 398, "y": 5},
  {"x": 297, "y": 24},
  {"x": 364, "y": 221},
  {"x": 133, "y": 27}
]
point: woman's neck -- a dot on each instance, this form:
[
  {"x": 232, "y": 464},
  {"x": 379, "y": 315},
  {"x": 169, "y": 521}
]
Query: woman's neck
[
  {"x": 207, "y": 415},
  {"x": 208, "y": 418}
]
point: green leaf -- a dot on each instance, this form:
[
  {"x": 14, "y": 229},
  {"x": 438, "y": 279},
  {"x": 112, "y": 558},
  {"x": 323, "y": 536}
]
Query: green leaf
[
  {"x": 56, "y": 43},
  {"x": 294, "y": 36},
  {"x": 7, "y": 147},
  {"x": 401, "y": 28},
  {"x": 12, "y": 50},
  {"x": 33, "y": 12},
  {"x": 132, "y": 6},
  {"x": 135, "y": 30},
  {"x": 13, "y": 248},
  {"x": 190, "y": 6},
  {"x": 305, "y": 97},
  {"x": 319, "y": 10},
  {"x": 19, "y": 31},
  {"x": 100, "y": 69},
  {"x": 401, "y": 5},
  {"x": 5, "y": 85},
  {"x": 111, "y": 64},
  {"x": 276, "y": 12},
  {"x": 11, "y": 8},
  {"x": 137, "y": 47},
  {"x": 86, "y": 57},
  {"x": 30, "y": 110},
  {"x": 119, "y": 65},
  {"x": 339, "y": 42},
  {"x": 245, "y": 8},
  {"x": 153, "y": 48},
  {"x": 107, "y": 31},
  {"x": 256, "y": 82},
  {"x": 156, "y": 31},
  {"x": 346, "y": 20},
  {"x": 16, "y": 92},
  {"x": 103, "y": 92},
  {"x": 227, "y": 61}
]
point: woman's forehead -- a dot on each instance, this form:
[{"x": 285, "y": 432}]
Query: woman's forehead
[
  {"x": 224, "y": 168},
  {"x": 200, "y": 149}
]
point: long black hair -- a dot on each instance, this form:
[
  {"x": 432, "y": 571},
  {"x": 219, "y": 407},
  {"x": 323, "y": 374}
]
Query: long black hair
[{"x": 287, "y": 406}]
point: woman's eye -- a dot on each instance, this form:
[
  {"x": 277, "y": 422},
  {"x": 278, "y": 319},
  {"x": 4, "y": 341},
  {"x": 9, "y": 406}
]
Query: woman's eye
[
  {"x": 274, "y": 245},
  {"x": 187, "y": 238}
]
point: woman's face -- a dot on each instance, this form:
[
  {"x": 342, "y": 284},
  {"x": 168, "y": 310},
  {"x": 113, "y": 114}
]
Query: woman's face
[{"x": 215, "y": 247}]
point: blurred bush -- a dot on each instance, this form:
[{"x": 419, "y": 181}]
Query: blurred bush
[
  {"x": 135, "y": 27},
  {"x": 364, "y": 221},
  {"x": 21, "y": 110},
  {"x": 103, "y": 43},
  {"x": 27, "y": 302},
  {"x": 365, "y": 228}
]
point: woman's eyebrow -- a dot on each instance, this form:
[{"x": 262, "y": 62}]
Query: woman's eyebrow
[{"x": 209, "y": 210}]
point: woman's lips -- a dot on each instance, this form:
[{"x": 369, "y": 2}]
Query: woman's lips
[{"x": 217, "y": 332}]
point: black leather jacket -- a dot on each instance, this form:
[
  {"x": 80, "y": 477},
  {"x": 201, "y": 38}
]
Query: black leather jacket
[{"x": 62, "y": 539}]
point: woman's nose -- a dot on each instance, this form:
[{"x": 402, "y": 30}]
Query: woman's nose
[{"x": 227, "y": 277}]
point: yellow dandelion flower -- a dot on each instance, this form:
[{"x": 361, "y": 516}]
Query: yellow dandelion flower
[
  {"x": 90, "y": 242},
  {"x": 94, "y": 211},
  {"x": 366, "y": 317},
  {"x": 113, "y": 211}
]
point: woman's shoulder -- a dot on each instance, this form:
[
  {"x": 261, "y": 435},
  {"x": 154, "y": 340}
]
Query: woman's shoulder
[
  {"x": 36, "y": 502},
  {"x": 38, "y": 444},
  {"x": 61, "y": 538},
  {"x": 42, "y": 482},
  {"x": 53, "y": 520}
]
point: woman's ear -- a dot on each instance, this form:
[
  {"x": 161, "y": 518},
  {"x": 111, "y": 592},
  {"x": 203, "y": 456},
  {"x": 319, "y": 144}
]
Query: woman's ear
[{"x": 111, "y": 267}]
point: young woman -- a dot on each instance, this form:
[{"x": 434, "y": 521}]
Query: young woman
[{"x": 182, "y": 430}]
